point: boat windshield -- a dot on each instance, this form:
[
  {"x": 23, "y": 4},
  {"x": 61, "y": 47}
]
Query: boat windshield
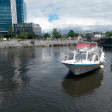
[{"x": 80, "y": 56}]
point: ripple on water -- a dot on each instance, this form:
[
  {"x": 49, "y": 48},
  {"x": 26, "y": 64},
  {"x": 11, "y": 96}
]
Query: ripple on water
[{"x": 32, "y": 80}]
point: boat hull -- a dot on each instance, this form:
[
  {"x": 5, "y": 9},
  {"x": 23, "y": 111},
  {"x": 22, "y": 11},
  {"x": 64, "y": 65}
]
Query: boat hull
[{"x": 81, "y": 69}]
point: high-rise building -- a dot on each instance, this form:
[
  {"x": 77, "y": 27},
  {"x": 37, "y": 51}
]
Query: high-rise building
[
  {"x": 11, "y": 12},
  {"x": 20, "y": 11},
  {"x": 5, "y": 15}
]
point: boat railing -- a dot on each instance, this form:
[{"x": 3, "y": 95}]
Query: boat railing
[{"x": 95, "y": 51}]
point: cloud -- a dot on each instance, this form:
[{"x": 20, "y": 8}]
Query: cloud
[{"x": 60, "y": 13}]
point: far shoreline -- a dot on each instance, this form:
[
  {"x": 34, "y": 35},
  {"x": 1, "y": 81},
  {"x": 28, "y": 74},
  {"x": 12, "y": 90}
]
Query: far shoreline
[{"x": 16, "y": 43}]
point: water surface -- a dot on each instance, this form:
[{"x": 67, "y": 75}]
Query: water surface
[{"x": 32, "y": 80}]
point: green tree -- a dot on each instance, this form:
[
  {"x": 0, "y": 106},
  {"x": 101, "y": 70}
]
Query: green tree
[
  {"x": 76, "y": 34},
  {"x": 30, "y": 35},
  {"x": 108, "y": 34},
  {"x": 56, "y": 34},
  {"x": 64, "y": 36},
  {"x": 1, "y": 36},
  {"x": 10, "y": 32},
  {"x": 47, "y": 35},
  {"x": 22, "y": 35},
  {"x": 72, "y": 34}
]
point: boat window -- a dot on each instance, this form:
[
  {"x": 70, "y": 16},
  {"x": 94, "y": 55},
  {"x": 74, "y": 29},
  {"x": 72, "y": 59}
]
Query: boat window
[
  {"x": 80, "y": 56},
  {"x": 71, "y": 56}
]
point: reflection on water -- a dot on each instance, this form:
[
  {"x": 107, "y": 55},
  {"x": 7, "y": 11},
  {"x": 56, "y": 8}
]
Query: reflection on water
[
  {"x": 32, "y": 80},
  {"x": 13, "y": 67},
  {"x": 78, "y": 86}
]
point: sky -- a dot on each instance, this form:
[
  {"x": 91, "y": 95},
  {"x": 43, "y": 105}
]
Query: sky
[{"x": 64, "y": 13}]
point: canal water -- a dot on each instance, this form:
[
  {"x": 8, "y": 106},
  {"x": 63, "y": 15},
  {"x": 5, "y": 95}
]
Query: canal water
[{"x": 33, "y": 80}]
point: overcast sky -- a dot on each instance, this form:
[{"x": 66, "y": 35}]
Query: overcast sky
[{"x": 63, "y": 13}]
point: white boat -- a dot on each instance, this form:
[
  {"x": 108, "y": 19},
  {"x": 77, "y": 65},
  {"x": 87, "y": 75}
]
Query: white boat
[{"x": 86, "y": 58}]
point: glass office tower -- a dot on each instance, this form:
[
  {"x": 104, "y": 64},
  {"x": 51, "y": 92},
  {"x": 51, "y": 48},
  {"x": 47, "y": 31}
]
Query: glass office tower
[
  {"x": 5, "y": 15},
  {"x": 11, "y": 12},
  {"x": 20, "y": 11}
]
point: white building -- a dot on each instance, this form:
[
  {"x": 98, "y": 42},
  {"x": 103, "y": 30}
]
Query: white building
[{"x": 98, "y": 36}]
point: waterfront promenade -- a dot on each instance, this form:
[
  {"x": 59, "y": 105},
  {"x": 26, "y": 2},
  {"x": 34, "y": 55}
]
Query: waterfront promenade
[{"x": 36, "y": 43}]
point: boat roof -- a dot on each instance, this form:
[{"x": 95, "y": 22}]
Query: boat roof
[
  {"x": 83, "y": 45},
  {"x": 87, "y": 46}
]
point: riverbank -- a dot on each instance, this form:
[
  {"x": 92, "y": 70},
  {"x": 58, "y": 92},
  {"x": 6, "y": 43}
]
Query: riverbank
[{"x": 36, "y": 43}]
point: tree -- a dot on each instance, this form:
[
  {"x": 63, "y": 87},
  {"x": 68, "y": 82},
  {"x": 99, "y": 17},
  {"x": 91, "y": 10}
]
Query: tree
[
  {"x": 64, "y": 36},
  {"x": 47, "y": 35},
  {"x": 76, "y": 34},
  {"x": 22, "y": 35},
  {"x": 1, "y": 36},
  {"x": 10, "y": 32},
  {"x": 108, "y": 34},
  {"x": 30, "y": 35},
  {"x": 56, "y": 34},
  {"x": 71, "y": 33}
]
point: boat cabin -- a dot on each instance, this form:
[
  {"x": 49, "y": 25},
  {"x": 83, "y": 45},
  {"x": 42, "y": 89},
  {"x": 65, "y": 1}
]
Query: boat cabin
[{"x": 85, "y": 52}]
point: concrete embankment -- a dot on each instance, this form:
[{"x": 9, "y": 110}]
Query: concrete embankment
[{"x": 36, "y": 43}]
